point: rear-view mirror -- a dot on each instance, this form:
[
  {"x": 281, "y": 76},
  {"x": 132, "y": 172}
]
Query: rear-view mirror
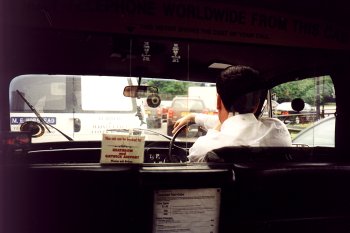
[{"x": 139, "y": 91}]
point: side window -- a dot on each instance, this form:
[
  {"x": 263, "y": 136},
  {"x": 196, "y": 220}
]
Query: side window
[{"x": 307, "y": 107}]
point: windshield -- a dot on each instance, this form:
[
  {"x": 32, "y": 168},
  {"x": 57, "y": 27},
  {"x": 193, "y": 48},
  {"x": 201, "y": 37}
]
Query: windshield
[{"x": 85, "y": 107}]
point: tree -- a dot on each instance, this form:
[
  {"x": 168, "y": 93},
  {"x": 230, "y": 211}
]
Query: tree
[
  {"x": 306, "y": 90},
  {"x": 169, "y": 89}
]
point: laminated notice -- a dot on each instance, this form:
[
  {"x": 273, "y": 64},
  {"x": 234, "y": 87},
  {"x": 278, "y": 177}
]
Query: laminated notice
[
  {"x": 117, "y": 148},
  {"x": 186, "y": 210}
]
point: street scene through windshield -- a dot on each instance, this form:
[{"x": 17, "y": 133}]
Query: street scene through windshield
[{"x": 66, "y": 102}]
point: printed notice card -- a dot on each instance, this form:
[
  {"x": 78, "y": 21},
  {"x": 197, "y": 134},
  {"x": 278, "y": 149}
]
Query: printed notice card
[
  {"x": 186, "y": 210},
  {"x": 122, "y": 149}
]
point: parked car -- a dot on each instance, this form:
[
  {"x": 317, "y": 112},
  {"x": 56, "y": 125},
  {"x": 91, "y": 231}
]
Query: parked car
[
  {"x": 181, "y": 106},
  {"x": 319, "y": 134},
  {"x": 285, "y": 112}
]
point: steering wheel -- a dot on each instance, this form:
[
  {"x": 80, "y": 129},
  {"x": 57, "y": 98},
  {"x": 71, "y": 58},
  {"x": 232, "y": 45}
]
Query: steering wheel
[
  {"x": 181, "y": 153},
  {"x": 181, "y": 156}
]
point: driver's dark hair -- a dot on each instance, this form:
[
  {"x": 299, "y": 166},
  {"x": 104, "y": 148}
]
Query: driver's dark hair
[{"x": 231, "y": 86}]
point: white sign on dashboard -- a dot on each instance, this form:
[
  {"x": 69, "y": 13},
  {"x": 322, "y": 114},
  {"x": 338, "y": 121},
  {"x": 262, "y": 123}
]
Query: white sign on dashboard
[{"x": 118, "y": 148}]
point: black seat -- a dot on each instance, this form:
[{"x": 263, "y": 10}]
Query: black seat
[
  {"x": 272, "y": 154},
  {"x": 285, "y": 189}
]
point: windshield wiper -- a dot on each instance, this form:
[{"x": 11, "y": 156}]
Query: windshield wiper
[{"x": 42, "y": 121}]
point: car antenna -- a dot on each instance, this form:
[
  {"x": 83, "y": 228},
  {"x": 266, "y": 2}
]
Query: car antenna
[{"x": 42, "y": 121}]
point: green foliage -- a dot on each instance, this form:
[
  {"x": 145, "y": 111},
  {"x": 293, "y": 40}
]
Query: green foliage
[
  {"x": 307, "y": 90},
  {"x": 169, "y": 89}
]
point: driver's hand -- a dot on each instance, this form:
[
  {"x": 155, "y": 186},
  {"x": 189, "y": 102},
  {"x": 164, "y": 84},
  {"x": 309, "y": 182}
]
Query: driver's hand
[{"x": 183, "y": 121}]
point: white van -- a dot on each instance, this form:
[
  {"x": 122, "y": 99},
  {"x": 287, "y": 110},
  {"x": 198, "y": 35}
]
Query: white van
[{"x": 82, "y": 107}]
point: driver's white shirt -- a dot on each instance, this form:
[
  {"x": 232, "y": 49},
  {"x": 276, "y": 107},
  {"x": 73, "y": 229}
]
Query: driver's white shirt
[{"x": 239, "y": 130}]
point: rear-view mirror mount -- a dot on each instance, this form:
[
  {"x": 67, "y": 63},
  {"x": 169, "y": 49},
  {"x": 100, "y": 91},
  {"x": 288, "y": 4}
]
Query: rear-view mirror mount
[{"x": 141, "y": 91}]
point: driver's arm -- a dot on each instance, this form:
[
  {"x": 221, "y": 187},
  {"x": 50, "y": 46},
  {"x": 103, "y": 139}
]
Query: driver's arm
[
  {"x": 204, "y": 120},
  {"x": 183, "y": 121}
]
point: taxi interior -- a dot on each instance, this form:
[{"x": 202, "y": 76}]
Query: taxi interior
[{"x": 62, "y": 187}]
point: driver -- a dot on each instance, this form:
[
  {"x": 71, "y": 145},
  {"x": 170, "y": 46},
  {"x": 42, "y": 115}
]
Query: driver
[{"x": 235, "y": 124}]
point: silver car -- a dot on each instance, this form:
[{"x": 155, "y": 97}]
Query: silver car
[{"x": 319, "y": 134}]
